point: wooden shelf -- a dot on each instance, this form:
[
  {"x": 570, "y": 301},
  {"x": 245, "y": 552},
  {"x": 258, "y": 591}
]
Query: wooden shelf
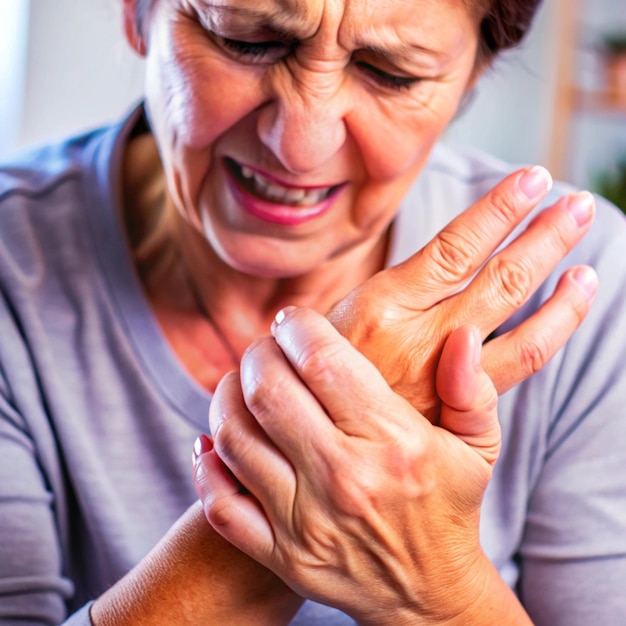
[
  {"x": 572, "y": 102},
  {"x": 599, "y": 102}
]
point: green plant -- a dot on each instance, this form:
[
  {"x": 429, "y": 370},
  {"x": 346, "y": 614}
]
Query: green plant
[
  {"x": 612, "y": 184},
  {"x": 614, "y": 44}
]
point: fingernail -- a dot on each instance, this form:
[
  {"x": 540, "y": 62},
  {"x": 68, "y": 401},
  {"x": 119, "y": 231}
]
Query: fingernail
[
  {"x": 280, "y": 317},
  {"x": 588, "y": 280},
  {"x": 282, "y": 314},
  {"x": 202, "y": 445},
  {"x": 535, "y": 182},
  {"x": 580, "y": 205}
]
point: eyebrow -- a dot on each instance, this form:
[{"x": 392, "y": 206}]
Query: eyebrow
[
  {"x": 398, "y": 50},
  {"x": 285, "y": 20}
]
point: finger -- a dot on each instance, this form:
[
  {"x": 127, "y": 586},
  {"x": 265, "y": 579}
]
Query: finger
[
  {"x": 245, "y": 449},
  {"x": 211, "y": 478},
  {"x": 237, "y": 516},
  {"x": 509, "y": 278},
  {"x": 283, "y": 406},
  {"x": 469, "y": 398},
  {"x": 349, "y": 387},
  {"x": 455, "y": 254},
  {"x": 519, "y": 353}
]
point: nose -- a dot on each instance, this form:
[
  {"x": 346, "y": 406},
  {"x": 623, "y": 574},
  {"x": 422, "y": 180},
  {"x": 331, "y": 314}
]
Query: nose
[{"x": 304, "y": 123}]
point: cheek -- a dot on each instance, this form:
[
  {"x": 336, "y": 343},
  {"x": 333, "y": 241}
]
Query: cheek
[
  {"x": 195, "y": 95},
  {"x": 393, "y": 141},
  {"x": 394, "y": 144}
]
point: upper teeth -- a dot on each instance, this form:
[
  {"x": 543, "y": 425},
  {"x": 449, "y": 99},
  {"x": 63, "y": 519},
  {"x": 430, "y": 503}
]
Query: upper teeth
[{"x": 284, "y": 195}]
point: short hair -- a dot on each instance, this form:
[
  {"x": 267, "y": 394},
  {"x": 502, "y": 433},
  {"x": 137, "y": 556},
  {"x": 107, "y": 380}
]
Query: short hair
[{"x": 504, "y": 24}]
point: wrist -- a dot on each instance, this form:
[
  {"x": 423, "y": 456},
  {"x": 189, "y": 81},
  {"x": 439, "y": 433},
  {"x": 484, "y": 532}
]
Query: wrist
[
  {"x": 491, "y": 602},
  {"x": 478, "y": 598}
]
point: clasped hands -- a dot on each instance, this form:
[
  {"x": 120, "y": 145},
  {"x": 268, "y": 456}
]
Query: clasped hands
[{"x": 364, "y": 441}]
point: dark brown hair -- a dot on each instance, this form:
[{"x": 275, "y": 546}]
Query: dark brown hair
[{"x": 504, "y": 23}]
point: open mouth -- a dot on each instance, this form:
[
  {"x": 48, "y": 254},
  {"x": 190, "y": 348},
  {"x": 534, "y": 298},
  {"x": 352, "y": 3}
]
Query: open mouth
[{"x": 270, "y": 191}]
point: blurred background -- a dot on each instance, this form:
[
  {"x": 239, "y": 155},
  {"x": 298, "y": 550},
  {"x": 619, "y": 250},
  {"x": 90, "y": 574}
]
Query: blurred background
[{"x": 558, "y": 100}]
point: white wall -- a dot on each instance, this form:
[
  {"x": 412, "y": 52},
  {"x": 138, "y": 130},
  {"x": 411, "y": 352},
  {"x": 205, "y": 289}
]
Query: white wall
[
  {"x": 13, "y": 38},
  {"x": 511, "y": 111},
  {"x": 79, "y": 70}
]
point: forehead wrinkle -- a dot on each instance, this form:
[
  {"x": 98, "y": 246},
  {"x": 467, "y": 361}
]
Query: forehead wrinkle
[
  {"x": 408, "y": 29},
  {"x": 285, "y": 17}
]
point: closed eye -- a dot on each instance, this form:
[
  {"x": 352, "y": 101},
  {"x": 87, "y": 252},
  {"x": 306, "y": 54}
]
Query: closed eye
[
  {"x": 385, "y": 79},
  {"x": 267, "y": 51}
]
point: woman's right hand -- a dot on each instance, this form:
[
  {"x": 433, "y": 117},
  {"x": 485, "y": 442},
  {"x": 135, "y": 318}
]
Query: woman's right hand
[
  {"x": 352, "y": 496},
  {"x": 401, "y": 317}
]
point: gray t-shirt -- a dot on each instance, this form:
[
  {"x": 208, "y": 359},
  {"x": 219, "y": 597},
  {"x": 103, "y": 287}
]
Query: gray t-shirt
[{"x": 93, "y": 401}]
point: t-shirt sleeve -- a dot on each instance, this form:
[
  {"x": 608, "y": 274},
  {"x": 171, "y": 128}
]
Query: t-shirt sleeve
[
  {"x": 573, "y": 554},
  {"x": 33, "y": 585}
]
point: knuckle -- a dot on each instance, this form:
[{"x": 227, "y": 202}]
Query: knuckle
[
  {"x": 558, "y": 237},
  {"x": 504, "y": 206},
  {"x": 535, "y": 352},
  {"x": 454, "y": 255},
  {"x": 580, "y": 308},
  {"x": 558, "y": 234},
  {"x": 514, "y": 277},
  {"x": 261, "y": 390},
  {"x": 367, "y": 308},
  {"x": 230, "y": 440},
  {"x": 361, "y": 489},
  {"x": 260, "y": 379},
  {"x": 349, "y": 478},
  {"x": 318, "y": 363},
  {"x": 219, "y": 513}
]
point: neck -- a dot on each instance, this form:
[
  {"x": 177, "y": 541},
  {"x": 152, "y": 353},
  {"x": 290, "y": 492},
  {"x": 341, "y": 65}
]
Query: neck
[{"x": 227, "y": 291}]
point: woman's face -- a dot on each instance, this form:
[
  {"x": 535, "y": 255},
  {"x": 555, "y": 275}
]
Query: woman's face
[{"x": 290, "y": 130}]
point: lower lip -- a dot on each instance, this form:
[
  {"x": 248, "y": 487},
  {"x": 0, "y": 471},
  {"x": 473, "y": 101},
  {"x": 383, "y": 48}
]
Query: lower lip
[{"x": 282, "y": 214}]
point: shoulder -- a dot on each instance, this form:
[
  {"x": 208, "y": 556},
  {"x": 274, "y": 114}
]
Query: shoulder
[
  {"x": 41, "y": 192},
  {"x": 50, "y": 196},
  {"x": 34, "y": 175},
  {"x": 41, "y": 206},
  {"x": 40, "y": 177}
]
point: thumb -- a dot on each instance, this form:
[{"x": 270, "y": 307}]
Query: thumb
[{"x": 468, "y": 396}]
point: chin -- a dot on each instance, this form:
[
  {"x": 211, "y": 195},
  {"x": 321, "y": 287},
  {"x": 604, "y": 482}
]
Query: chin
[{"x": 277, "y": 264}]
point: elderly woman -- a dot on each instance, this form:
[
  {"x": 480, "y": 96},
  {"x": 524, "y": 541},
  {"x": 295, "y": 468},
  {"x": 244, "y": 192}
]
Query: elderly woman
[{"x": 280, "y": 188}]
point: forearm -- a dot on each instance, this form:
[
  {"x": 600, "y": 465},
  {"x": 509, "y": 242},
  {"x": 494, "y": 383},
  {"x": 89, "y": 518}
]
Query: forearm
[{"x": 193, "y": 576}]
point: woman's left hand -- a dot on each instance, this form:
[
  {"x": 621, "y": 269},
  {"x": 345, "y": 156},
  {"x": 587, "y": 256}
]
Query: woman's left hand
[{"x": 351, "y": 496}]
